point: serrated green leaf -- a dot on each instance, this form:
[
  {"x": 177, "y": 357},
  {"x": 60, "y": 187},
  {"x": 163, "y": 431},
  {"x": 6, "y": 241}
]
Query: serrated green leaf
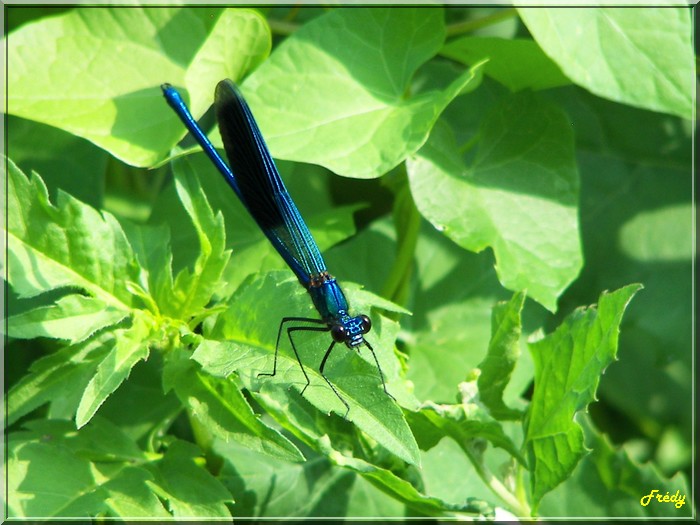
[
  {"x": 463, "y": 422},
  {"x": 610, "y": 482},
  {"x": 517, "y": 64},
  {"x": 130, "y": 347},
  {"x": 115, "y": 106},
  {"x": 73, "y": 318},
  {"x": 248, "y": 333},
  {"x": 70, "y": 244},
  {"x": 640, "y": 56},
  {"x": 192, "y": 290},
  {"x": 222, "y": 410},
  {"x": 344, "y": 109},
  {"x": 400, "y": 488},
  {"x": 568, "y": 366},
  {"x": 502, "y": 356},
  {"x": 519, "y": 197},
  {"x": 191, "y": 491},
  {"x": 128, "y": 495},
  {"x": 54, "y": 471},
  {"x": 61, "y": 376}
]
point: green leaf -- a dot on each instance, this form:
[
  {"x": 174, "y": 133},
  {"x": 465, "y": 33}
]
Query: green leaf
[
  {"x": 609, "y": 482},
  {"x": 347, "y": 110},
  {"x": 73, "y": 318},
  {"x": 121, "y": 56},
  {"x": 519, "y": 197},
  {"x": 518, "y": 64},
  {"x": 193, "y": 290},
  {"x": 568, "y": 366},
  {"x": 401, "y": 489},
  {"x": 463, "y": 422},
  {"x": 248, "y": 331},
  {"x": 661, "y": 235},
  {"x": 70, "y": 244},
  {"x": 239, "y": 41},
  {"x": 130, "y": 347},
  {"x": 642, "y": 57},
  {"x": 61, "y": 153},
  {"x": 60, "y": 377},
  {"x": 190, "y": 490},
  {"x": 222, "y": 410},
  {"x": 503, "y": 353},
  {"x": 266, "y": 487},
  {"x": 54, "y": 471},
  {"x": 128, "y": 495}
]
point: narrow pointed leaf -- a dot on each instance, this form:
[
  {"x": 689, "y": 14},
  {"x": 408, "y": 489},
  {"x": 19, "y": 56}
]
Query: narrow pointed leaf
[
  {"x": 73, "y": 318},
  {"x": 130, "y": 347}
]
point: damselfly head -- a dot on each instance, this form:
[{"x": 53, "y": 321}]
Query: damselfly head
[{"x": 349, "y": 330}]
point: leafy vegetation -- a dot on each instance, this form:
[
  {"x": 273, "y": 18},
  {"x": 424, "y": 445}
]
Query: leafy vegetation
[{"x": 501, "y": 184}]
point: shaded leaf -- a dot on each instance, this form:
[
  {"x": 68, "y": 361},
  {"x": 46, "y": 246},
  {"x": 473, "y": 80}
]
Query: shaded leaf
[
  {"x": 519, "y": 197},
  {"x": 518, "y": 64},
  {"x": 502, "y": 356}
]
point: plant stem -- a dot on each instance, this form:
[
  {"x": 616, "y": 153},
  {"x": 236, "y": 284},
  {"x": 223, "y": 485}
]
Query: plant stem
[
  {"x": 518, "y": 507},
  {"x": 407, "y": 223},
  {"x": 469, "y": 26},
  {"x": 282, "y": 27}
]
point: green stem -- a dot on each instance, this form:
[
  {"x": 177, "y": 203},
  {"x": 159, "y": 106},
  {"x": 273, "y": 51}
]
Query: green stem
[
  {"x": 282, "y": 27},
  {"x": 407, "y": 222},
  {"x": 518, "y": 507},
  {"x": 469, "y": 26}
]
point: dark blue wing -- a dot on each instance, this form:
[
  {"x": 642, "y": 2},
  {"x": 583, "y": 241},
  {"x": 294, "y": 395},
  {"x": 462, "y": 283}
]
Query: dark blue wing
[{"x": 260, "y": 186}]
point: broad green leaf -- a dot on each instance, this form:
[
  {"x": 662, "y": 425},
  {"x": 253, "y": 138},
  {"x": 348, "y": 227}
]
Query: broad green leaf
[
  {"x": 73, "y": 318},
  {"x": 237, "y": 43},
  {"x": 609, "y": 482},
  {"x": 194, "y": 289},
  {"x": 640, "y": 56},
  {"x": 345, "y": 106},
  {"x": 54, "y": 471},
  {"x": 223, "y": 411},
  {"x": 190, "y": 490},
  {"x": 129, "y": 495},
  {"x": 517, "y": 64},
  {"x": 248, "y": 332},
  {"x": 121, "y": 56},
  {"x": 519, "y": 196},
  {"x": 67, "y": 245},
  {"x": 568, "y": 366},
  {"x": 58, "y": 377},
  {"x": 130, "y": 347},
  {"x": 502, "y": 356},
  {"x": 38, "y": 467}
]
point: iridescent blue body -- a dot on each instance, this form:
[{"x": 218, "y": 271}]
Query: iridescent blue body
[{"x": 254, "y": 177}]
